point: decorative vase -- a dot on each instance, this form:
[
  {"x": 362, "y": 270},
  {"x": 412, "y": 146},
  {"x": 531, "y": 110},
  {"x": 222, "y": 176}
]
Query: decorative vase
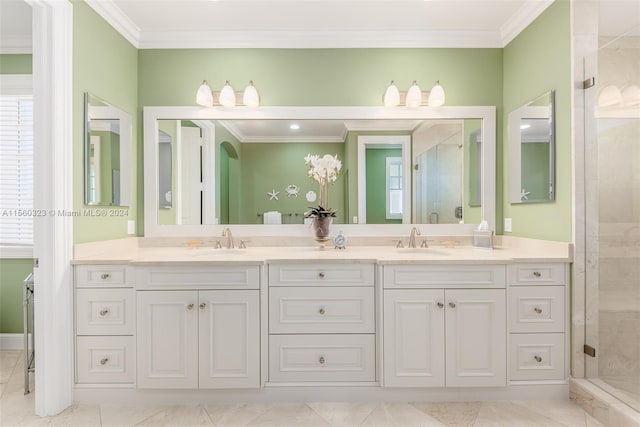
[{"x": 321, "y": 229}]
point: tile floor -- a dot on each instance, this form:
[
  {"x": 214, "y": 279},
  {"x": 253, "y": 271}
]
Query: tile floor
[{"x": 17, "y": 410}]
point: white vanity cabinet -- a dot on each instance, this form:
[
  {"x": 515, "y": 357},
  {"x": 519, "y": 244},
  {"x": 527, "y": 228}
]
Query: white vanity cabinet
[
  {"x": 201, "y": 329},
  {"x": 434, "y": 314},
  {"x": 322, "y": 322}
]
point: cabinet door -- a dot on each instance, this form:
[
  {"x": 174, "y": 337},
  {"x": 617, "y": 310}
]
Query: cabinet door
[
  {"x": 476, "y": 337},
  {"x": 414, "y": 338},
  {"x": 167, "y": 339},
  {"x": 229, "y": 339}
]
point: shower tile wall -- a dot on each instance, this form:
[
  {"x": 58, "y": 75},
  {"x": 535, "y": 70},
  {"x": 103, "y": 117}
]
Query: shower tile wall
[{"x": 619, "y": 227}]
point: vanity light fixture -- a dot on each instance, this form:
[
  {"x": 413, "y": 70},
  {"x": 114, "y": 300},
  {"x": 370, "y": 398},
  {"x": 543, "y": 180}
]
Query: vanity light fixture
[
  {"x": 631, "y": 96},
  {"x": 609, "y": 96},
  {"x": 414, "y": 97},
  {"x": 227, "y": 97}
]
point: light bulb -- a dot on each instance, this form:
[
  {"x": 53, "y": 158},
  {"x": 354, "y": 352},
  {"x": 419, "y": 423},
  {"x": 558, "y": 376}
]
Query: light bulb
[
  {"x": 631, "y": 96},
  {"x": 391, "y": 96},
  {"x": 609, "y": 95},
  {"x": 250, "y": 97},
  {"x": 414, "y": 96},
  {"x": 227, "y": 97},
  {"x": 204, "y": 96},
  {"x": 436, "y": 96}
]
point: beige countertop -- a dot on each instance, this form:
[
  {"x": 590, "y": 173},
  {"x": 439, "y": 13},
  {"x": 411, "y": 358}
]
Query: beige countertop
[{"x": 136, "y": 251}]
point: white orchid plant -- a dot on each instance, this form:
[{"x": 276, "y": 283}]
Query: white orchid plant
[{"x": 323, "y": 170}]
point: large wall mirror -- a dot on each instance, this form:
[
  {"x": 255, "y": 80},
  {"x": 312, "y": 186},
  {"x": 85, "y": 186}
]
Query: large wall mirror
[
  {"x": 531, "y": 130},
  {"x": 107, "y": 153},
  {"x": 205, "y": 168}
]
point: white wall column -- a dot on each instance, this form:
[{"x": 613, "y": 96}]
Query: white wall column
[{"x": 53, "y": 233}]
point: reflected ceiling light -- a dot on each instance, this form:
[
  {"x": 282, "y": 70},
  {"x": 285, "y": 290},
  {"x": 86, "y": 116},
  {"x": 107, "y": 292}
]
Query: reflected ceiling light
[
  {"x": 525, "y": 126},
  {"x": 227, "y": 97},
  {"x": 294, "y": 126},
  {"x": 250, "y": 97},
  {"x": 391, "y": 96},
  {"x": 414, "y": 96},
  {"x": 204, "y": 96},
  {"x": 631, "y": 96},
  {"x": 436, "y": 96},
  {"x": 610, "y": 95}
]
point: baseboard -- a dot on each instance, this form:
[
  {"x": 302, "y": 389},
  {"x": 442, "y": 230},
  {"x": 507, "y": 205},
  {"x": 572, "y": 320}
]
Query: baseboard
[{"x": 12, "y": 341}]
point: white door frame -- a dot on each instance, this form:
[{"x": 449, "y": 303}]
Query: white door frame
[{"x": 53, "y": 190}]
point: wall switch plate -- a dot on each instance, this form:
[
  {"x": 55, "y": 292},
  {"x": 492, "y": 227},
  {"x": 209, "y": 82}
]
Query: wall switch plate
[
  {"x": 355, "y": 220},
  {"x": 131, "y": 227},
  {"x": 507, "y": 225}
]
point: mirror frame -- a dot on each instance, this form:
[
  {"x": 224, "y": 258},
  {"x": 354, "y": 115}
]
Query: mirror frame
[
  {"x": 109, "y": 112},
  {"x": 154, "y": 113},
  {"x": 515, "y": 149}
]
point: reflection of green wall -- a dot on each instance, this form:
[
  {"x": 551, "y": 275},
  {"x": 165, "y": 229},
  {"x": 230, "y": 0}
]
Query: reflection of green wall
[
  {"x": 535, "y": 170},
  {"x": 229, "y": 186},
  {"x": 223, "y": 194},
  {"x": 109, "y": 161},
  {"x": 471, "y": 214},
  {"x": 266, "y": 167},
  {"x": 12, "y": 273},
  {"x": 376, "y": 183},
  {"x": 15, "y": 64},
  {"x": 106, "y": 65},
  {"x": 536, "y": 61}
]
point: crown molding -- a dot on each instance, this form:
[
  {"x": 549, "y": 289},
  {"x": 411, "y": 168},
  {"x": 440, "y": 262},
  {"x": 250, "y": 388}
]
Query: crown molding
[
  {"x": 111, "y": 13},
  {"x": 16, "y": 45},
  {"x": 318, "y": 39},
  {"x": 521, "y": 19}
]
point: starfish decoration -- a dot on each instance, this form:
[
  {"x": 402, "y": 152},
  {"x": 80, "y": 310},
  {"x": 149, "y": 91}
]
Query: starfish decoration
[
  {"x": 524, "y": 194},
  {"x": 273, "y": 194}
]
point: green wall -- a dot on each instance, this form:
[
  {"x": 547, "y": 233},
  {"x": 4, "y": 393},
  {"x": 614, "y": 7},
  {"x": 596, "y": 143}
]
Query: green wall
[
  {"x": 376, "y": 166},
  {"x": 13, "y": 271},
  {"x": 106, "y": 65},
  {"x": 536, "y": 61},
  {"x": 15, "y": 64}
]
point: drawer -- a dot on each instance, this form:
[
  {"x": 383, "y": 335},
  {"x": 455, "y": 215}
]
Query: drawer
[
  {"x": 537, "y": 357},
  {"x": 321, "y": 310},
  {"x": 209, "y": 277},
  {"x": 538, "y": 274},
  {"x": 444, "y": 276},
  {"x": 537, "y": 309},
  {"x": 105, "y": 359},
  {"x": 315, "y": 274},
  {"x": 103, "y": 276},
  {"x": 299, "y": 358},
  {"x": 105, "y": 311}
]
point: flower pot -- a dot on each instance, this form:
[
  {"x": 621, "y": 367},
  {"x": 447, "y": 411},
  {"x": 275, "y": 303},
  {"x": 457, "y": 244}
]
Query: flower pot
[{"x": 321, "y": 228}]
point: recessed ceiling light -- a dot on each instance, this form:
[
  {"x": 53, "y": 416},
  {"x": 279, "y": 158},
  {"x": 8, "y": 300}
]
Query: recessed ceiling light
[
  {"x": 525, "y": 126},
  {"x": 294, "y": 126}
]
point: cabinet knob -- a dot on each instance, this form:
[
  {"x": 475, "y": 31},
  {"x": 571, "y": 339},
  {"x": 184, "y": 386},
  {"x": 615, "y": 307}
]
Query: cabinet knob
[
  {"x": 452, "y": 304},
  {"x": 203, "y": 305},
  {"x": 104, "y": 312},
  {"x": 104, "y": 276},
  {"x": 440, "y": 305},
  {"x": 537, "y": 274},
  {"x": 189, "y": 306},
  {"x": 537, "y": 310},
  {"x": 321, "y": 360},
  {"x": 538, "y": 358},
  {"x": 321, "y": 311},
  {"x": 321, "y": 275},
  {"x": 104, "y": 360}
]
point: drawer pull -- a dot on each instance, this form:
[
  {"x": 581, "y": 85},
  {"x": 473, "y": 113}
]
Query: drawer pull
[
  {"x": 321, "y": 311},
  {"x": 440, "y": 305},
  {"x": 538, "y": 358},
  {"x": 538, "y": 310},
  {"x": 104, "y": 276},
  {"x": 189, "y": 306},
  {"x": 537, "y": 274},
  {"x": 321, "y": 360},
  {"x": 203, "y": 305},
  {"x": 104, "y": 360},
  {"x": 321, "y": 275},
  {"x": 452, "y": 304},
  {"x": 104, "y": 312}
]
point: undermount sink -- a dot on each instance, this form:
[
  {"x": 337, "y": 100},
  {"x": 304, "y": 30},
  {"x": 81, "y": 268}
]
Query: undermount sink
[
  {"x": 424, "y": 251},
  {"x": 221, "y": 251}
]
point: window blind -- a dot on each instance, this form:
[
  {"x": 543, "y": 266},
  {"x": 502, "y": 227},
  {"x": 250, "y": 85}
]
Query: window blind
[{"x": 16, "y": 170}]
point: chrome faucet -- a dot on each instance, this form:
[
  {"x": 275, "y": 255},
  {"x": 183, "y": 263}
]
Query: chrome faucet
[
  {"x": 227, "y": 234},
  {"x": 412, "y": 237}
]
